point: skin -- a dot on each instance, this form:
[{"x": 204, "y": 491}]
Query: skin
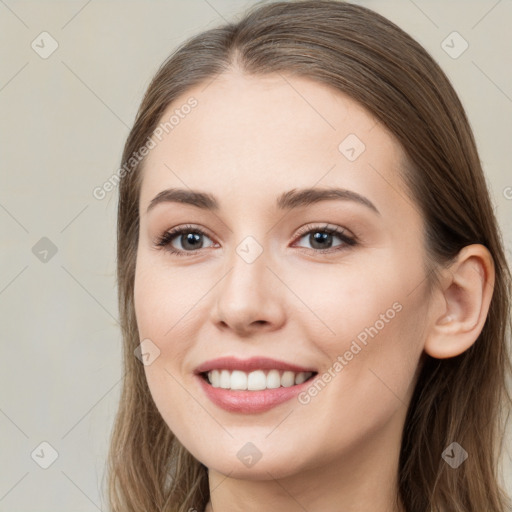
[{"x": 248, "y": 140}]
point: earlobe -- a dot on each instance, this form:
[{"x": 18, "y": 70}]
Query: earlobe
[{"x": 466, "y": 291}]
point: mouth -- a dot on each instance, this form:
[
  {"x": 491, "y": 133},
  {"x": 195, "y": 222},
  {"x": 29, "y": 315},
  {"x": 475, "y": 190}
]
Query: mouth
[
  {"x": 253, "y": 385},
  {"x": 257, "y": 380}
]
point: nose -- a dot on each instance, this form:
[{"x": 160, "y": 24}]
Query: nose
[{"x": 250, "y": 298}]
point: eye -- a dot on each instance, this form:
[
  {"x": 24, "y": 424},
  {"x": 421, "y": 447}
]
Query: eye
[
  {"x": 321, "y": 238},
  {"x": 190, "y": 239}
]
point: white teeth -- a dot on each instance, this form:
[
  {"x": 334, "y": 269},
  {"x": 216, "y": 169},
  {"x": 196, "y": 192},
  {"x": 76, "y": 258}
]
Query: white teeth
[
  {"x": 214, "y": 377},
  {"x": 224, "y": 379},
  {"x": 238, "y": 380},
  {"x": 300, "y": 377},
  {"x": 273, "y": 379},
  {"x": 256, "y": 380},
  {"x": 288, "y": 379}
]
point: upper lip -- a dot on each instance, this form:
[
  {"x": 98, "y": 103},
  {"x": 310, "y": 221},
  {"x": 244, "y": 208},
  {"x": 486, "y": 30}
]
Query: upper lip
[{"x": 248, "y": 365}]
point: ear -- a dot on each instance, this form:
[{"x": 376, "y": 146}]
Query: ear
[{"x": 465, "y": 293}]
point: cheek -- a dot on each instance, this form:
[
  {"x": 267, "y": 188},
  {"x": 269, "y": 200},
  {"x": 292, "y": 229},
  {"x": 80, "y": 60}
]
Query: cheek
[
  {"x": 352, "y": 305},
  {"x": 380, "y": 361},
  {"x": 165, "y": 298},
  {"x": 372, "y": 335},
  {"x": 161, "y": 302},
  {"x": 169, "y": 312},
  {"x": 369, "y": 383}
]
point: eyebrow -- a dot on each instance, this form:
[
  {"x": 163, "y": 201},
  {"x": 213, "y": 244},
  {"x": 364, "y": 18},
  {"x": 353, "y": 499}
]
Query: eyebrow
[{"x": 294, "y": 198}]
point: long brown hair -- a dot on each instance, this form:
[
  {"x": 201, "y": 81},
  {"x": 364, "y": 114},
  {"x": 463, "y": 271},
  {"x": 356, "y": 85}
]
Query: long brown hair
[{"x": 367, "y": 57}]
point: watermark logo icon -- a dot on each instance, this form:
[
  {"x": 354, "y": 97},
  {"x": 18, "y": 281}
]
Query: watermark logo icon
[
  {"x": 44, "y": 455},
  {"x": 351, "y": 147},
  {"x": 249, "y": 249},
  {"x": 454, "y": 45},
  {"x": 454, "y": 455},
  {"x": 44, "y": 250},
  {"x": 44, "y": 45},
  {"x": 249, "y": 454},
  {"x": 147, "y": 352}
]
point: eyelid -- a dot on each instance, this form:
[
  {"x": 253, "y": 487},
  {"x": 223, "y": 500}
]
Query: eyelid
[{"x": 339, "y": 230}]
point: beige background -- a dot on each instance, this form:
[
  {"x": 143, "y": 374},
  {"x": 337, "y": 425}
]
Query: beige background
[{"x": 64, "y": 120}]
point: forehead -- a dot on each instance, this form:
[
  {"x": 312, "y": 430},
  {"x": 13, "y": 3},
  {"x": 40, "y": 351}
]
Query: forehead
[{"x": 262, "y": 134}]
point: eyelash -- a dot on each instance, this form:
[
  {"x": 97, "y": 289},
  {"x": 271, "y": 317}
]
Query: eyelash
[{"x": 166, "y": 239}]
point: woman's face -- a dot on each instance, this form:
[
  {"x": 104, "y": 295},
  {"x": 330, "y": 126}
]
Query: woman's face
[{"x": 271, "y": 278}]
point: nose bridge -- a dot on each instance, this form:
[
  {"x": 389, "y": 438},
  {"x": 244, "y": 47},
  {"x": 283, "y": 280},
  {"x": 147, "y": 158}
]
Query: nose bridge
[
  {"x": 249, "y": 251},
  {"x": 249, "y": 292},
  {"x": 248, "y": 261}
]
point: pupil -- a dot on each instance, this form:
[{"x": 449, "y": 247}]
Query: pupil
[
  {"x": 321, "y": 237},
  {"x": 191, "y": 238}
]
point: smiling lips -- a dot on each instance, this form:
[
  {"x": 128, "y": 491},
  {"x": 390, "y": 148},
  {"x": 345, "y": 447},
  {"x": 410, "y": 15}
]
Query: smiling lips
[{"x": 251, "y": 385}]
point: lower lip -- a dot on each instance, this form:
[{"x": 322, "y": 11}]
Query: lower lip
[{"x": 248, "y": 402}]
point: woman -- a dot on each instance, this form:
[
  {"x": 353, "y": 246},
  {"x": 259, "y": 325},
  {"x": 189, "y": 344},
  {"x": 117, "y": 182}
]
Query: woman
[{"x": 311, "y": 277}]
